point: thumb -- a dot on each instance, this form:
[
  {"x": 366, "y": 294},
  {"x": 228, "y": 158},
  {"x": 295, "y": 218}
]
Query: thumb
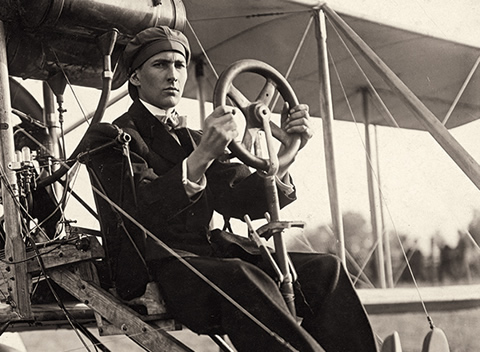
[{"x": 284, "y": 114}]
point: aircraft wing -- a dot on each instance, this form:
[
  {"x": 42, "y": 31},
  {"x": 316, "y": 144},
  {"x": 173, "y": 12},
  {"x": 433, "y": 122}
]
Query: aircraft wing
[{"x": 273, "y": 31}]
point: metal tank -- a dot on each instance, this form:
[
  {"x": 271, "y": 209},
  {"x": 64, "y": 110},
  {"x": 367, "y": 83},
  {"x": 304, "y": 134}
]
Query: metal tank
[{"x": 46, "y": 37}]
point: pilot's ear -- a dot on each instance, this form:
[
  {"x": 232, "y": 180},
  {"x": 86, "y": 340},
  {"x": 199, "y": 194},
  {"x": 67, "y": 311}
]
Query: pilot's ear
[{"x": 134, "y": 79}]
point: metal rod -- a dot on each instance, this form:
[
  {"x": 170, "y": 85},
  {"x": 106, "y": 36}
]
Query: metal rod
[
  {"x": 281, "y": 255},
  {"x": 15, "y": 253},
  {"x": 463, "y": 159},
  {"x": 326, "y": 106},
  {"x": 263, "y": 248},
  {"x": 460, "y": 93}
]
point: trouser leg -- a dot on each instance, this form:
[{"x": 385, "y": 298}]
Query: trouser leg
[
  {"x": 333, "y": 313},
  {"x": 197, "y": 305}
]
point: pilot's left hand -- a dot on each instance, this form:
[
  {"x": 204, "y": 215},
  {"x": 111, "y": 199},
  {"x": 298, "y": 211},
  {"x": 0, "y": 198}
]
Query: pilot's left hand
[{"x": 297, "y": 120}]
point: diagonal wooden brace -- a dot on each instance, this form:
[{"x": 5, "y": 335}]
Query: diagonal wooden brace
[{"x": 127, "y": 320}]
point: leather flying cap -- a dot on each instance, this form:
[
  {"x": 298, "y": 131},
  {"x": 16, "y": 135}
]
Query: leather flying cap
[
  {"x": 152, "y": 41},
  {"x": 143, "y": 46}
]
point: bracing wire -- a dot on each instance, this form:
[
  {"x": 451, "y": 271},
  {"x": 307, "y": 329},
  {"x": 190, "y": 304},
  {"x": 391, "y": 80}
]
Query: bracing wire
[
  {"x": 204, "y": 52},
  {"x": 371, "y": 166},
  {"x": 353, "y": 261},
  {"x": 473, "y": 240},
  {"x": 294, "y": 59},
  {"x": 114, "y": 338},
  {"x": 461, "y": 91},
  {"x": 77, "y": 100},
  {"x": 385, "y": 109},
  {"x": 370, "y": 84}
]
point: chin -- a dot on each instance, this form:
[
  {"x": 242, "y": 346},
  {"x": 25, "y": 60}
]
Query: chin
[{"x": 169, "y": 102}]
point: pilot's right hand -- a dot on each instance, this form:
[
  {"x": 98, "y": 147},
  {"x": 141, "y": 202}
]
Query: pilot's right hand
[{"x": 219, "y": 130}]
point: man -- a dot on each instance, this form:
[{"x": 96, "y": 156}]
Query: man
[{"x": 177, "y": 183}]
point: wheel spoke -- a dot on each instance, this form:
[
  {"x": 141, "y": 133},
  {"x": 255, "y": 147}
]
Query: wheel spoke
[
  {"x": 254, "y": 112},
  {"x": 266, "y": 94},
  {"x": 238, "y": 98},
  {"x": 279, "y": 134},
  {"x": 249, "y": 137}
]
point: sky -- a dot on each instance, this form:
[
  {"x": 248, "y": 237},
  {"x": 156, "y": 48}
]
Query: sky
[
  {"x": 453, "y": 20},
  {"x": 423, "y": 191}
]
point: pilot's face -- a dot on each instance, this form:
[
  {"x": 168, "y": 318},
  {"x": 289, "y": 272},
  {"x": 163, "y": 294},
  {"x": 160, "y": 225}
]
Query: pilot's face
[{"x": 161, "y": 79}]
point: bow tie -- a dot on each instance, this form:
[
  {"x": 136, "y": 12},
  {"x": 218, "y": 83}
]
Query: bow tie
[{"x": 170, "y": 122}]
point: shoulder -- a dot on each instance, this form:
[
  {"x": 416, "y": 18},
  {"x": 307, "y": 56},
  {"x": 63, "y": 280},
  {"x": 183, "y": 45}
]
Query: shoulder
[{"x": 127, "y": 123}]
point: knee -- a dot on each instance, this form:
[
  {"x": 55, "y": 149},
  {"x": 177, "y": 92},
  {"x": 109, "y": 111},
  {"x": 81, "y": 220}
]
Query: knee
[
  {"x": 248, "y": 275},
  {"x": 336, "y": 270},
  {"x": 333, "y": 264},
  {"x": 325, "y": 270}
]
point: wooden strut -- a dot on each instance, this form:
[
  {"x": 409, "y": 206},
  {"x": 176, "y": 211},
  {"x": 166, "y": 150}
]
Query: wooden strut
[
  {"x": 18, "y": 277},
  {"x": 326, "y": 106},
  {"x": 148, "y": 335}
]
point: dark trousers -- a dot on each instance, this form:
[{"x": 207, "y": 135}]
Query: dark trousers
[{"x": 333, "y": 316}]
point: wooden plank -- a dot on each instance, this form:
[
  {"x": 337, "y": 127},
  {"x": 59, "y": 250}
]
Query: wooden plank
[
  {"x": 407, "y": 300},
  {"x": 149, "y": 337},
  {"x": 46, "y": 316},
  {"x": 52, "y": 257},
  {"x": 65, "y": 254}
]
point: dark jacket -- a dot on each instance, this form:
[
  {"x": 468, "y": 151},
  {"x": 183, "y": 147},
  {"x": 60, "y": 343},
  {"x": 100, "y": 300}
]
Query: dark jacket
[{"x": 157, "y": 199}]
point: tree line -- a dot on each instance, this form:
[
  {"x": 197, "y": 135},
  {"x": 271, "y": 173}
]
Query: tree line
[{"x": 442, "y": 264}]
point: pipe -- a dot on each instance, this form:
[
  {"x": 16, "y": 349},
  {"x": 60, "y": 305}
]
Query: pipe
[{"x": 107, "y": 42}]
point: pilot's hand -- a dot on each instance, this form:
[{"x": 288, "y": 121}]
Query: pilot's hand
[
  {"x": 297, "y": 120},
  {"x": 219, "y": 130}
]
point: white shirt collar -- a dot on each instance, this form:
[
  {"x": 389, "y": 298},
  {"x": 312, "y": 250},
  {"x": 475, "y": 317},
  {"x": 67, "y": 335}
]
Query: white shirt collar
[{"x": 155, "y": 110}]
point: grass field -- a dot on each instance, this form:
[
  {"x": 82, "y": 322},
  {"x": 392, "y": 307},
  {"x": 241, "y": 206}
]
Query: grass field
[{"x": 461, "y": 327}]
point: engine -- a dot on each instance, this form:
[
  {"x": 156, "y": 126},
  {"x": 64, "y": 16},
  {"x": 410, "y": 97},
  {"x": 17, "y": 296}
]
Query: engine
[{"x": 45, "y": 37}]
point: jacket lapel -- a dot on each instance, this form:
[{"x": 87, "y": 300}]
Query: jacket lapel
[{"x": 155, "y": 134}]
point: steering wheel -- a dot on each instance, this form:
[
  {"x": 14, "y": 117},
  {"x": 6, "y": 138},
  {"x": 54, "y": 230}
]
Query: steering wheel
[{"x": 258, "y": 112}]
